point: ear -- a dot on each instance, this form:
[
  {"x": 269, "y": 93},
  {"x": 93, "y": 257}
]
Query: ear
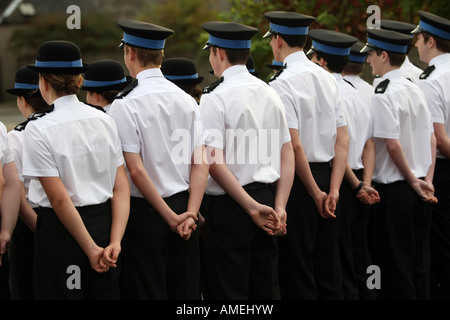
[
  {"x": 431, "y": 42},
  {"x": 278, "y": 40},
  {"x": 384, "y": 56},
  {"x": 221, "y": 53}
]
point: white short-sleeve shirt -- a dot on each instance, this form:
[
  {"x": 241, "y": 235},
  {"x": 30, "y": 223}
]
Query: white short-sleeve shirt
[
  {"x": 162, "y": 123},
  {"x": 77, "y": 143},
  {"x": 359, "y": 121},
  {"x": 311, "y": 99},
  {"x": 401, "y": 113},
  {"x": 436, "y": 89},
  {"x": 245, "y": 118}
]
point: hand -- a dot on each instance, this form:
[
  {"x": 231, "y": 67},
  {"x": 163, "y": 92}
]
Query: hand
[
  {"x": 110, "y": 255},
  {"x": 95, "y": 259},
  {"x": 368, "y": 195},
  {"x": 266, "y": 218},
  {"x": 186, "y": 228},
  {"x": 330, "y": 205},
  {"x": 319, "y": 200},
  {"x": 425, "y": 190},
  {"x": 282, "y": 215},
  {"x": 178, "y": 219},
  {"x": 5, "y": 240}
]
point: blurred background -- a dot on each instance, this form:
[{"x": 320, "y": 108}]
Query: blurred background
[{"x": 25, "y": 24}]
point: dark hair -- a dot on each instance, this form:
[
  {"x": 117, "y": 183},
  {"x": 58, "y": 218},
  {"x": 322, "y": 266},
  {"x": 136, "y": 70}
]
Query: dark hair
[
  {"x": 395, "y": 59},
  {"x": 235, "y": 56},
  {"x": 107, "y": 95},
  {"x": 293, "y": 40},
  {"x": 354, "y": 68},
  {"x": 334, "y": 63},
  {"x": 63, "y": 84},
  {"x": 36, "y": 102},
  {"x": 147, "y": 56},
  {"x": 441, "y": 44}
]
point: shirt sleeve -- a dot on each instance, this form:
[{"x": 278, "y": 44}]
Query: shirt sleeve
[
  {"x": 15, "y": 146},
  {"x": 38, "y": 160},
  {"x": 292, "y": 116},
  {"x": 126, "y": 127},
  {"x": 434, "y": 101},
  {"x": 386, "y": 124},
  {"x": 213, "y": 120}
]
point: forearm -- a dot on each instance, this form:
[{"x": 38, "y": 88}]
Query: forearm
[
  {"x": 287, "y": 172},
  {"x": 10, "y": 201},
  {"x": 197, "y": 183},
  {"x": 368, "y": 159},
  {"x": 398, "y": 157},
  {"x": 120, "y": 206},
  {"x": 339, "y": 162},
  {"x": 430, "y": 173}
]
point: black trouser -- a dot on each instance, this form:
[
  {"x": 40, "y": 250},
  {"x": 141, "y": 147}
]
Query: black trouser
[
  {"x": 21, "y": 254},
  {"x": 309, "y": 254},
  {"x": 59, "y": 260},
  {"x": 157, "y": 262},
  {"x": 400, "y": 242},
  {"x": 440, "y": 232},
  {"x": 241, "y": 259},
  {"x": 353, "y": 243},
  {"x": 5, "y": 292}
]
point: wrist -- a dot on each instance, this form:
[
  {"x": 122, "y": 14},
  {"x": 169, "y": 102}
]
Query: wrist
[{"x": 358, "y": 187}]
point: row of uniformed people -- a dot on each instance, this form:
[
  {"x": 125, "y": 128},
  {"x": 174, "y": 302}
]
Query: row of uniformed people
[{"x": 232, "y": 254}]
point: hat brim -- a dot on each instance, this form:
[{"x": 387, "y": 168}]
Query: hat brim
[
  {"x": 24, "y": 92},
  {"x": 188, "y": 81},
  {"x": 72, "y": 70},
  {"x": 113, "y": 87},
  {"x": 267, "y": 34}
]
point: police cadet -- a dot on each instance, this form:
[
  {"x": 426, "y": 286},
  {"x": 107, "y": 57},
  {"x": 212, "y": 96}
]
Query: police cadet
[
  {"x": 405, "y": 151},
  {"x": 21, "y": 252},
  {"x": 103, "y": 81},
  {"x": 433, "y": 44},
  {"x": 161, "y": 132},
  {"x": 331, "y": 50},
  {"x": 309, "y": 256},
  {"x": 75, "y": 153},
  {"x": 183, "y": 73},
  {"x": 9, "y": 208},
  {"x": 249, "y": 185}
]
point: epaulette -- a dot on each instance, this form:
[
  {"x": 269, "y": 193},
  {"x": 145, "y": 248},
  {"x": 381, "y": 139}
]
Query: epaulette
[
  {"x": 278, "y": 72},
  {"x": 212, "y": 86},
  {"x": 33, "y": 116},
  {"x": 382, "y": 86},
  {"x": 349, "y": 83},
  {"x": 427, "y": 72},
  {"x": 95, "y": 107},
  {"x": 127, "y": 89}
]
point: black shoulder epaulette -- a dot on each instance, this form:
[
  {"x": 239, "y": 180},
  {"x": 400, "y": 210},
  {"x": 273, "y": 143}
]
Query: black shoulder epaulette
[
  {"x": 127, "y": 89},
  {"x": 33, "y": 116},
  {"x": 381, "y": 88},
  {"x": 278, "y": 72},
  {"x": 349, "y": 83},
  {"x": 212, "y": 86},
  {"x": 427, "y": 72},
  {"x": 21, "y": 126}
]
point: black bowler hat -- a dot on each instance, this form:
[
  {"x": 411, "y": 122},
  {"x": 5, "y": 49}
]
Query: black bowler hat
[
  {"x": 251, "y": 66},
  {"x": 331, "y": 42},
  {"x": 398, "y": 26},
  {"x": 181, "y": 70},
  {"x": 59, "y": 57},
  {"x": 386, "y": 40},
  {"x": 144, "y": 35},
  {"x": 356, "y": 56},
  {"x": 288, "y": 23},
  {"x": 105, "y": 75},
  {"x": 26, "y": 83},
  {"x": 229, "y": 35},
  {"x": 437, "y": 26}
]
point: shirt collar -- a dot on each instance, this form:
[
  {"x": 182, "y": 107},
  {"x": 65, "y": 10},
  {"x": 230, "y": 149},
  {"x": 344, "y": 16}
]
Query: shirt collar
[
  {"x": 439, "y": 59},
  {"x": 149, "y": 73},
  {"x": 392, "y": 74},
  {"x": 337, "y": 76},
  {"x": 298, "y": 55},
  {"x": 238, "y": 68},
  {"x": 65, "y": 100}
]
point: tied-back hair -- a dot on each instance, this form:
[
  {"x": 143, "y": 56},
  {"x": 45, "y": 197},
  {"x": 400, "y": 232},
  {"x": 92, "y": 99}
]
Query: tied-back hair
[
  {"x": 36, "y": 102},
  {"x": 63, "y": 84}
]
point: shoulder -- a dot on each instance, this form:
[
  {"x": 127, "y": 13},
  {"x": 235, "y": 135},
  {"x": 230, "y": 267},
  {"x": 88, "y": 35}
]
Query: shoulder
[
  {"x": 382, "y": 86},
  {"x": 427, "y": 72},
  {"x": 211, "y": 87},
  {"x": 125, "y": 91}
]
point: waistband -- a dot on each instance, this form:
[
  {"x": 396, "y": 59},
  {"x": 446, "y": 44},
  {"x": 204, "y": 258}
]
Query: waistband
[
  {"x": 257, "y": 186},
  {"x": 95, "y": 207}
]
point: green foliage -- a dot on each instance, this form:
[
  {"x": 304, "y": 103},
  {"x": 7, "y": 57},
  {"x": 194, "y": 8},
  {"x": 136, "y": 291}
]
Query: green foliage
[{"x": 98, "y": 33}]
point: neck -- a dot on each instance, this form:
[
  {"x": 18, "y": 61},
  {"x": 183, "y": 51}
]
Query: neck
[
  {"x": 286, "y": 51},
  {"x": 387, "y": 68}
]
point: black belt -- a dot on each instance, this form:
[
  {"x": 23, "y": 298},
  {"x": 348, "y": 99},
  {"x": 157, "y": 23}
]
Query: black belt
[{"x": 257, "y": 185}]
